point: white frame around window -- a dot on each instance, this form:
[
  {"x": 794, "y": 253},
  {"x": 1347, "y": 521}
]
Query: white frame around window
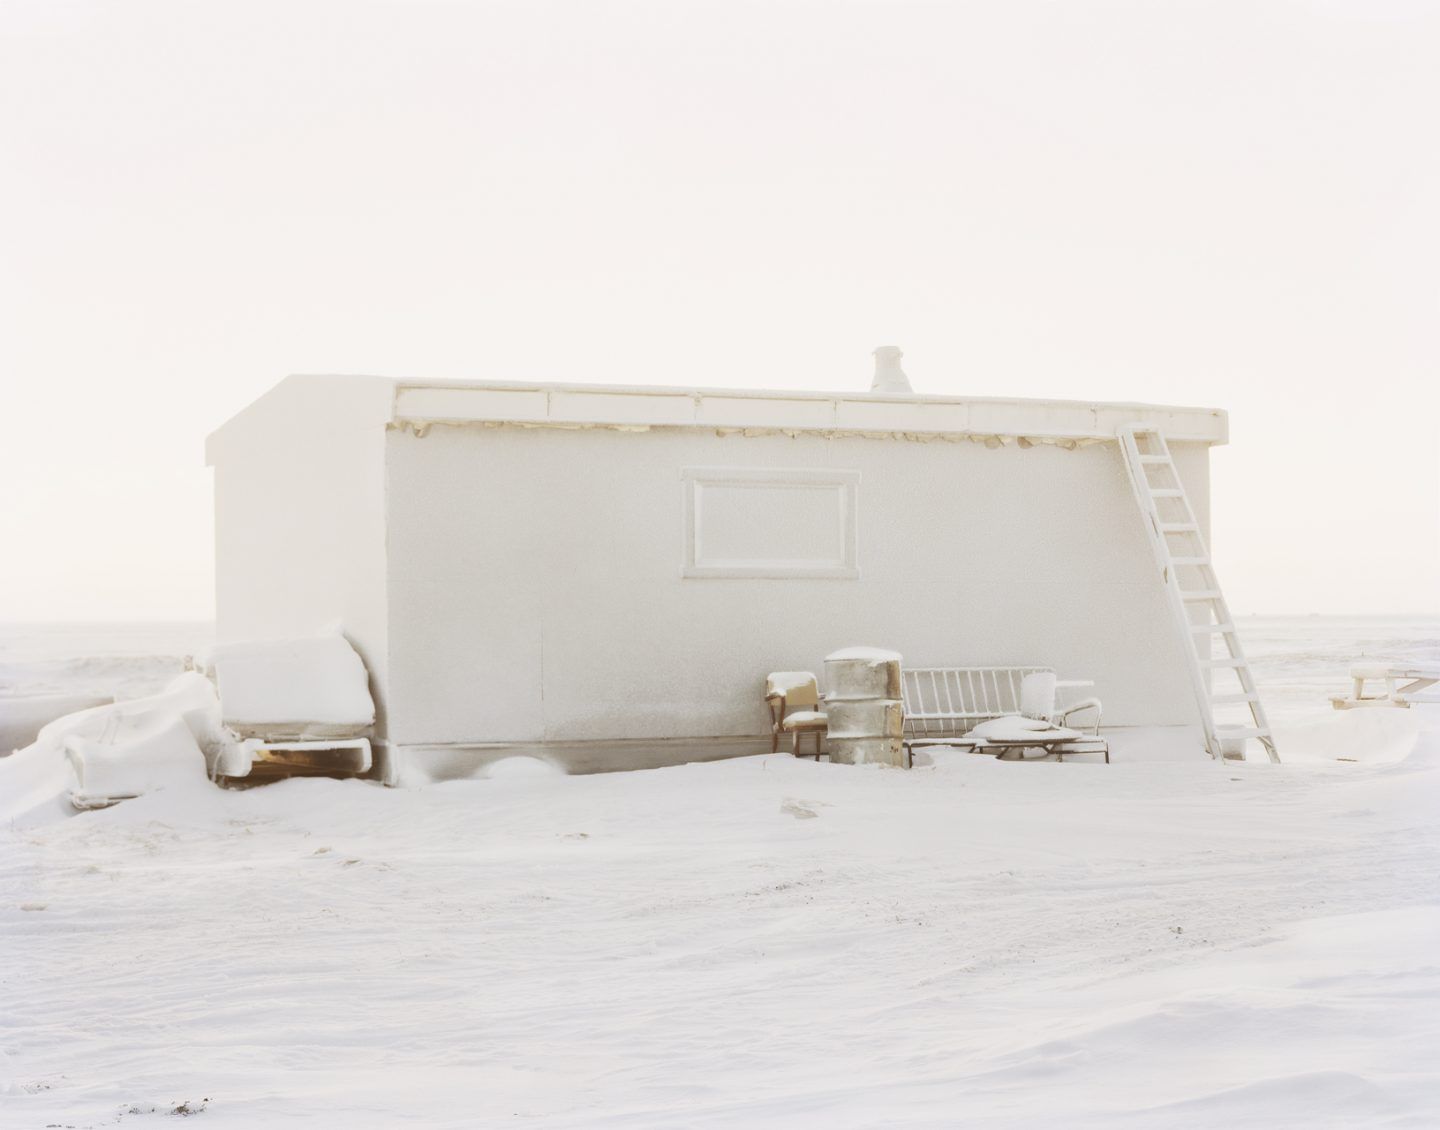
[{"x": 841, "y": 487}]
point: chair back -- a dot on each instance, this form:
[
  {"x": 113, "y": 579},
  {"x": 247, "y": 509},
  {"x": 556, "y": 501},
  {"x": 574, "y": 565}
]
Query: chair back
[
  {"x": 799, "y": 688},
  {"x": 1037, "y": 694}
]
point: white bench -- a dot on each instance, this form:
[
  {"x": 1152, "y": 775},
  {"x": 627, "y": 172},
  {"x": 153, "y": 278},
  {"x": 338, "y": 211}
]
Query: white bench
[{"x": 943, "y": 704}]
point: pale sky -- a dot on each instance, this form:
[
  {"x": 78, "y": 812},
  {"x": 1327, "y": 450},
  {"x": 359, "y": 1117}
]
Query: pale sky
[{"x": 1225, "y": 204}]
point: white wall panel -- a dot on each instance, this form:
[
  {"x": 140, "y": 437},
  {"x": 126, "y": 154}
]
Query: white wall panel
[{"x": 537, "y": 589}]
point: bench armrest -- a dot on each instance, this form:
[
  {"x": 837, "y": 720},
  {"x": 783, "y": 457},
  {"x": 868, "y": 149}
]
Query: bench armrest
[{"x": 1080, "y": 707}]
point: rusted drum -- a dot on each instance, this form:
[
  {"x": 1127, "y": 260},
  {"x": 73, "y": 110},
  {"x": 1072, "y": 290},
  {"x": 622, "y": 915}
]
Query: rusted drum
[{"x": 866, "y": 718}]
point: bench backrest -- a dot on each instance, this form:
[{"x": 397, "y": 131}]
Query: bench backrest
[{"x": 949, "y": 701}]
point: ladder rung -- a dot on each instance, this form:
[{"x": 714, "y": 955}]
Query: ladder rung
[
  {"x": 1231, "y": 662},
  {"x": 1227, "y": 699},
  {"x": 1241, "y": 732},
  {"x": 1190, "y": 561},
  {"x": 1166, "y": 492},
  {"x": 1202, "y": 629},
  {"x": 1200, "y": 594},
  {"x": 1179, "y": 528}
]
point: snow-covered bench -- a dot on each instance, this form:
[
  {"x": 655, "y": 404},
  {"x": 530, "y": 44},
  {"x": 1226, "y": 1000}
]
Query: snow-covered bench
[{"x": 943, "y": 705}]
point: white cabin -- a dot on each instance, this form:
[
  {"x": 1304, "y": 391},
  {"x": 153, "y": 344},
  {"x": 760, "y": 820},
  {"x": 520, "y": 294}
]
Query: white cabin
[{"x": 604, "y": 575}]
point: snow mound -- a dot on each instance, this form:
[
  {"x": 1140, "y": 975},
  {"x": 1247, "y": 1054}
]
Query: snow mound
[
  {"x": 22, "y": 717},
  {"x": 1013, "y": 726},
  {"x": 1372, "y": 736},
  {"x": 276, "y": 690},
  {"x": 522, "y": 768},
  {"x": 114, "y": 751},
  {"x": 158, "y": 749}
]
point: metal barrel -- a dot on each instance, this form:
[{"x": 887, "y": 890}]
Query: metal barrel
[{"x": 866, "y": 718}]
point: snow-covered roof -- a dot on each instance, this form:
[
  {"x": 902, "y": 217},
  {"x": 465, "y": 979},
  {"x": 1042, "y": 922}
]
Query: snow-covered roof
[
  {"x": 420, "y": 404},
  {"x": 835, "y": 412}
]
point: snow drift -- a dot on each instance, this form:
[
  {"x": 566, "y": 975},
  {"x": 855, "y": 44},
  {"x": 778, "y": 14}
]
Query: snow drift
[{"x": 298, "y": 691}]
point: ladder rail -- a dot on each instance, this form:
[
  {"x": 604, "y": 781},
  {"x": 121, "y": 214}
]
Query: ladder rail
[{"x": 1158, "y": 529}]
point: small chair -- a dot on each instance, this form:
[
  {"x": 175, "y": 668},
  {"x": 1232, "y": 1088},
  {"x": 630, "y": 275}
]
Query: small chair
[{"x": 785, "y": 690}]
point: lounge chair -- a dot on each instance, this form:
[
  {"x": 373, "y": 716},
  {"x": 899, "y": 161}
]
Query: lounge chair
[{"x": 944, "y": 705}]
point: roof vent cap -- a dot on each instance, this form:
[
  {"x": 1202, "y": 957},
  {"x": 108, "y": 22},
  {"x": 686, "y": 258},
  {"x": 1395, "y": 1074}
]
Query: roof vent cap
[{"x": 889, "y": 377}]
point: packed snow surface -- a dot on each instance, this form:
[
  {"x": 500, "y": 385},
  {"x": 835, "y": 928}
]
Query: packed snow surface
[{"x": 757, "y": 942}]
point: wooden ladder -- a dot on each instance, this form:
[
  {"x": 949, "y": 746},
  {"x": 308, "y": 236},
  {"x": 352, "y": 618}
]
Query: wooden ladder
[{"x": 1196, "y": 602}]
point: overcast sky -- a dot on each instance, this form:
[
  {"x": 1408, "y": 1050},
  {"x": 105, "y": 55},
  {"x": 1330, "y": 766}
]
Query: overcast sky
[{"x": 1227, "y": 204}]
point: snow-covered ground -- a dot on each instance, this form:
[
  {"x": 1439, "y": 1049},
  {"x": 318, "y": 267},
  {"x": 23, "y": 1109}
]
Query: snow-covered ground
[{"x": 753, "y": 943}]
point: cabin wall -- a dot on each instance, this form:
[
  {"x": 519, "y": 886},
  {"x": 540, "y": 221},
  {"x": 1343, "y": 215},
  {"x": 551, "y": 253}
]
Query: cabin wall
[
  {"x": 537, "y": 594},
  {"x": 300, "y": 516}
]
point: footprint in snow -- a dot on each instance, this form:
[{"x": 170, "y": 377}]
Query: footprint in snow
[{"x": 794, "y": 808}]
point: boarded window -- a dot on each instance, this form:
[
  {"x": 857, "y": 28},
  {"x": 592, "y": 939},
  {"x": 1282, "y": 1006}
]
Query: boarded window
[{"x": 766, "y": 522}]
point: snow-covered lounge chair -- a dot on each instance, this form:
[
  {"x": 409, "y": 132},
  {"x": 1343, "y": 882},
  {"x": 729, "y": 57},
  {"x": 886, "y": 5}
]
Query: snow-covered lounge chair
[
  {"x": 944, "y": 705},
  {"x": 1404, "y": 686},
  {"x": 787, "y": 689}
]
